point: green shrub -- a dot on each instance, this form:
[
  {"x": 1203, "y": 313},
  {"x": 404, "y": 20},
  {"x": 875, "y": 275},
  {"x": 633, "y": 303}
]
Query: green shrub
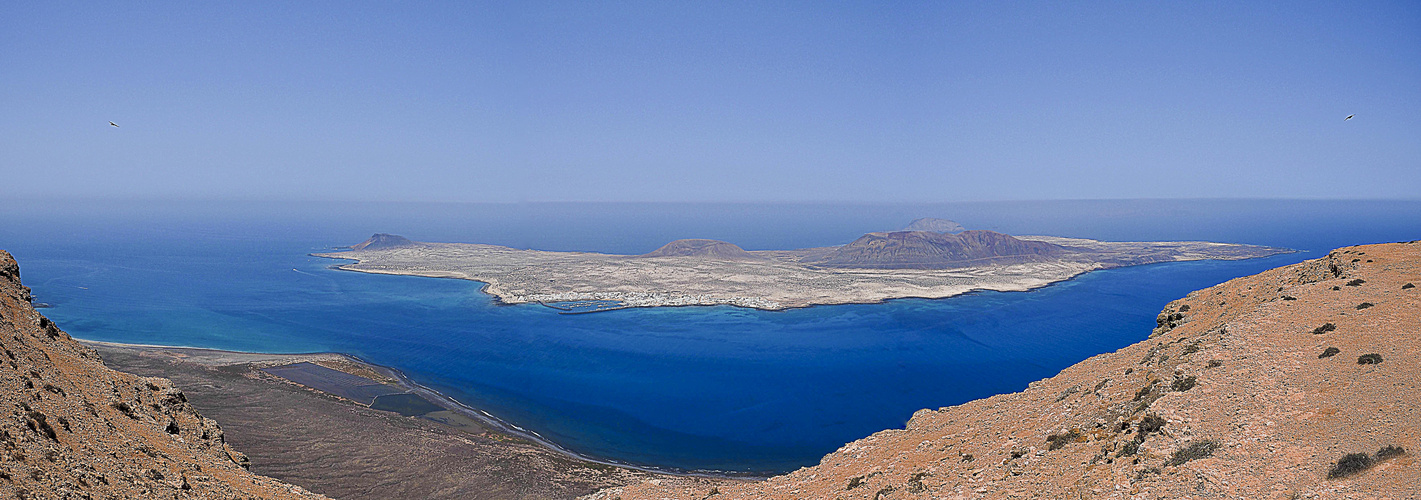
[
  {"x": 1061, "y": 440},
  {"x": 1326, "y": 327},
  {"x": 1356, "y": 282},
  {"x": 1369, "y": 359},
  {"x": 1151, "y": 423},
  {"x": 1390, "y": 451},
  {"x": 1329, "y": 352},
  {"x": 1364, "y": 305},
  {"x": 1132, "y": 447},
  {"x": 1201, "y": 449},
  {"x": 1183, "y": 384}
]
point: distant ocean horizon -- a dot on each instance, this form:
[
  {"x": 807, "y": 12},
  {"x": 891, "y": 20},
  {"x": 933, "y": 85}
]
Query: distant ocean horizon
[{"x": 694, "y": 388}]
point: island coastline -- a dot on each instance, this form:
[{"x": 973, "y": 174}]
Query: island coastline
[{"x": 768, "y": 280}]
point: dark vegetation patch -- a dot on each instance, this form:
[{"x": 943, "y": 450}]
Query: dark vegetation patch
[
  {"x": 1059, "y": 441},
  {"x": 1369, "y": 359},
  {"x": 1184, "y": 308},
  {"x": 1130, "y": 449},
  {"x": 1201, "y": 449},
  {"x": 1349, "y": 464},
  {"x": 1390, "y": 451},
  {"x": 1326, "y": 327},
  {"x": 1289, "y": 297},
  {"x": 1335, "y": 288},
  {"x": 1144, "y": 391},
  {"x": 1407, "y": 286},
  {"x": 1364, "y": 305},
  {"x": 1214, "y": 363},
  {"x": 1329, "y": 352},
  {"x": 1151, "y": 423},
  {"x": 1356, "y": 282},
  {"x": 1183, "y": 384},
  {"x": 1143, "y": 472},
  {"x": 854, "y": 482}
]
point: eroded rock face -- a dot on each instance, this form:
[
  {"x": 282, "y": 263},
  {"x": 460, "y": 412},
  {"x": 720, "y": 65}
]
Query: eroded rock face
[
  {"x": 1229, "y": 398},
  {"x": 72, "y": 428}
]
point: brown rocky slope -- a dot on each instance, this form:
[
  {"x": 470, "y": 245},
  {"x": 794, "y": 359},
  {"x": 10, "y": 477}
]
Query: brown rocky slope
[
  {"x": 72, "y": 428},
  {"x": 1299, "y": 382}
]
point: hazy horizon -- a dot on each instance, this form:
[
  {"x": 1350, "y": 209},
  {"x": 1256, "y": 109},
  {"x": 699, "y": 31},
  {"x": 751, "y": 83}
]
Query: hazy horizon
[{"x": 730, "y": 102}]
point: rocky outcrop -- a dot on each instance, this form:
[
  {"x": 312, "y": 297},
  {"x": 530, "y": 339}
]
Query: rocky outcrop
[
  {"x": 1298, "y": 382},
  {"x": 931, "y": 250},
  {"x": 708, "y": 249},
  {"x": 72, "y": 428},
  {"x": 935, "y": 225},
  {"x": 382, "y": 241}
]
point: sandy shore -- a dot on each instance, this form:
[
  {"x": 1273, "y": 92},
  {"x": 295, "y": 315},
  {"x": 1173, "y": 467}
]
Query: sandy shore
[{"x": 346, "y": 449}]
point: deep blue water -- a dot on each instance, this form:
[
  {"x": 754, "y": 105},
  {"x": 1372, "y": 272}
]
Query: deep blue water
[{"x": 716, "y": 388}]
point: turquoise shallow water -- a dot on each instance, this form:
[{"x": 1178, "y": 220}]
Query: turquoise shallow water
[{"x": 709, "y": 388}]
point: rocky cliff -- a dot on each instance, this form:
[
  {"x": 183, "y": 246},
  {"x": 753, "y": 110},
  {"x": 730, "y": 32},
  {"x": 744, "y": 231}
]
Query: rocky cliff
[
  {"x": 1299, "y": 382},
  {"x": 72, "y": 428},
  {"x": 933, "y": 250}
]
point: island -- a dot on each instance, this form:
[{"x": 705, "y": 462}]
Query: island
[{"x": 876, "y": 267}]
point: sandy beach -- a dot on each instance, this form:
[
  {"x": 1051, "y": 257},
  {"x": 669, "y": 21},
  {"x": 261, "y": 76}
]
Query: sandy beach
[{"x": 345, "y": 448}]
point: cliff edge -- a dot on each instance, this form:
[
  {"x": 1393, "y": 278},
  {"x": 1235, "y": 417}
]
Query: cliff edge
[
  {"x": 72, "y": 428},
  {"x": 1298, "y": 382}
]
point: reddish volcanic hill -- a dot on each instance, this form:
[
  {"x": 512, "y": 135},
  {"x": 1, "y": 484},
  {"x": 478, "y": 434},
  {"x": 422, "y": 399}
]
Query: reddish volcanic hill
[
  {"x": 72, "y": 428},
  {"x": 1298, "y": 382},
  {"x": 933, "y": 250},
  {"x": 710, "y": 249}
]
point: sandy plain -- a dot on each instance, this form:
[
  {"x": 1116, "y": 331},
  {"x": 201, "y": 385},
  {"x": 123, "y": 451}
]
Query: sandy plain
[{"x": 346, "y": 449}]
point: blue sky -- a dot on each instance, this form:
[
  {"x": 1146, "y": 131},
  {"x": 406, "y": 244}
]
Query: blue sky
[{"x": 716, "y": 101}]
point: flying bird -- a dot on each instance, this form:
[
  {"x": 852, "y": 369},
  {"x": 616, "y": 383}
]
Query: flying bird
[
  {"x": 1349, "y": 117},
  {"x": 115, "y": 124}
]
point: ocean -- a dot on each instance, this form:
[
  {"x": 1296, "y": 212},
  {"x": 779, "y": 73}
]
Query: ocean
[{"x": 689, "y": 388}]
